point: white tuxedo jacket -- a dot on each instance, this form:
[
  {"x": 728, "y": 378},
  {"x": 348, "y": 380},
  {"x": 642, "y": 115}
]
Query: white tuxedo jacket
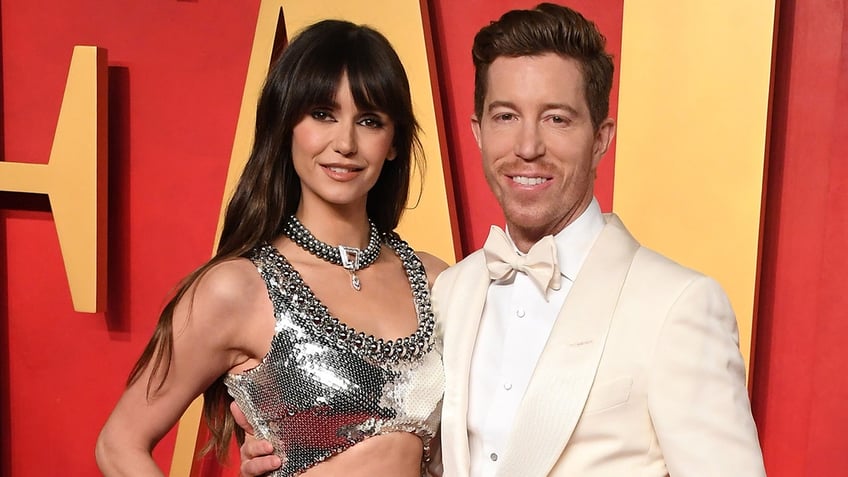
[{"x": 641, "y": 376}]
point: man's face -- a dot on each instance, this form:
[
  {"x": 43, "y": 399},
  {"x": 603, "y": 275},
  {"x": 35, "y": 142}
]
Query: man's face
[{"x": 540, "y": 150}]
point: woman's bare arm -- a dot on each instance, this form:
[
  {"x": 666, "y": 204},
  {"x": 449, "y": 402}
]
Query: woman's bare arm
[{"x": 209, "y": 339}]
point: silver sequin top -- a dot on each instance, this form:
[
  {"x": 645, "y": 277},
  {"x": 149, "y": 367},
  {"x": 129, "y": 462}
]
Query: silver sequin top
[{"x": 324, "y": 387}]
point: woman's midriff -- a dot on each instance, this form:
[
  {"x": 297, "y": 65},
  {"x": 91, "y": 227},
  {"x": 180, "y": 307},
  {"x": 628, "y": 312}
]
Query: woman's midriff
[{"x": 397, "y": 454}]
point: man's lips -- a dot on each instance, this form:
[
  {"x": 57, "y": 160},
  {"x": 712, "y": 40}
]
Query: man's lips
[{"x": 528, "y": 180}]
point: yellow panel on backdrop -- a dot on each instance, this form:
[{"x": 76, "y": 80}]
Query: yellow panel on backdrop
[
  {"x": 75, "y": 178},
  {"x": 693, "y": 114}
]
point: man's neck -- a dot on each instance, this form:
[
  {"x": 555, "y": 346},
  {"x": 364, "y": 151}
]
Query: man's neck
[{"x": 524, "y": 238}]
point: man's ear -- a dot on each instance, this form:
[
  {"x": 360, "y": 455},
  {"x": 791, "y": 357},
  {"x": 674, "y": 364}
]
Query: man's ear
[
  {"x": 475, "y": 129},
  {"x": 603, "y": 138}
]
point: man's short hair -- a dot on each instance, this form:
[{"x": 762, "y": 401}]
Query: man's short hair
[{"x": 547, "y": 28}]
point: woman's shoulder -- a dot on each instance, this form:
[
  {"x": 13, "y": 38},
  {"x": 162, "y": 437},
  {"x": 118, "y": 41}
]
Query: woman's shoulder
[
  {"x": 231, "y": 275},
  {"x": 433, "y": 265},
  {"x": 228, "y": 287},
  {"x": 431, "y": 262}
]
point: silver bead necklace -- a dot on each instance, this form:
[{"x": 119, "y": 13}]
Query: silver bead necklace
[
  {"x": 295, "y": 295},
  {"x": 351, "y": 259}
]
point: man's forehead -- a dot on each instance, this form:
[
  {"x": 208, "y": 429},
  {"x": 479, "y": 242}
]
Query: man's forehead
[
  {"x": 561, "y": 68},
  {"x": 549, "y": 81}
]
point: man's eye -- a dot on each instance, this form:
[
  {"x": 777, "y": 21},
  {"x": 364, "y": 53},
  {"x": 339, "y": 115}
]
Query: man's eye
[{"x": 560, "y": 120}]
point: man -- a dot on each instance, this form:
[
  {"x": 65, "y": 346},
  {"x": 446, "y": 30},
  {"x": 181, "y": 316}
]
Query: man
[{"x": 569, "y": 349}]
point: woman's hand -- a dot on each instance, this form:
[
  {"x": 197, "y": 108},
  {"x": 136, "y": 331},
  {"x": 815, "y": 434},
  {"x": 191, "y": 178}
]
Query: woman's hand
[{"x": 257, "y": 456}]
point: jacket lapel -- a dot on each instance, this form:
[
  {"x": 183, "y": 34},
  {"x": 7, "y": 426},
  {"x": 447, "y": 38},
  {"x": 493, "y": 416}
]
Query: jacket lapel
[
  {"x": 566, "y": 369},
  {"x": 459, "y": 304}
]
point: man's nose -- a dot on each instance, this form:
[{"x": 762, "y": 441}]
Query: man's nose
[{"x": 529, "y": 144}]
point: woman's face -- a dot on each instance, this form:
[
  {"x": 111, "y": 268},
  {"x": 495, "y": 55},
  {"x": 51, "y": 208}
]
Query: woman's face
[{"x": 338, "y": 150}]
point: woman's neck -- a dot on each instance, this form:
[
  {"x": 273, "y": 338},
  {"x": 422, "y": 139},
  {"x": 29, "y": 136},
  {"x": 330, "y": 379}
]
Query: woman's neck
[{"x": 336, "y": 226}]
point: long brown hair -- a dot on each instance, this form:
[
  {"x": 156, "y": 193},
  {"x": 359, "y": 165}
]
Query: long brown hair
[{"x": 307, "y": 74}]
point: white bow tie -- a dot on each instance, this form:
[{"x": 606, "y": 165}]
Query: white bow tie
[{"x": 540, "y": 263}]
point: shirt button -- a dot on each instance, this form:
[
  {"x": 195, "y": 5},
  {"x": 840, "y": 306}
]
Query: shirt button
[
  {"x": 507, "y": 386},
  {"x": 494, "y": 457},
  {"x": 519, "y": 312}
]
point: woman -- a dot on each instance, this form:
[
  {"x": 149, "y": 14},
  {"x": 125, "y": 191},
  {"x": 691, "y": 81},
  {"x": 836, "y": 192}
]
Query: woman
[{"x": 313, "y": 314}]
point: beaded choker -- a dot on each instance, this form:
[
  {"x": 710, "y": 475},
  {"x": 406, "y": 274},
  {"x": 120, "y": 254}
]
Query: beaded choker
[{"x": 351, "y": 259}]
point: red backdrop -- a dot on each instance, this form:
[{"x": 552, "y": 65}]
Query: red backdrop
[
  {"x": 799, "y": 386},
  {"x": 177, "y": 72}
]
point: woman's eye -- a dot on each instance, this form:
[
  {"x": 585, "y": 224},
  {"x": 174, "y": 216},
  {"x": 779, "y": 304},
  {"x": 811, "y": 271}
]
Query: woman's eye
[
  {"x": 320, "y": 115},
  {"x": 373, "y": 123}
]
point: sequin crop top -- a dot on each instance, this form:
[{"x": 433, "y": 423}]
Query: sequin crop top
[{"x": 324, "y": 387}]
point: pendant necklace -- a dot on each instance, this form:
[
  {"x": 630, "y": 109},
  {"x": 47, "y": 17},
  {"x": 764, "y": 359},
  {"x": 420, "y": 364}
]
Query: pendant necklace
[{"x": 351, "y": 259}]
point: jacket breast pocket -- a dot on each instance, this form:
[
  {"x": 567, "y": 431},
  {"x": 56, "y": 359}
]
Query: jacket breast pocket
[{"x": 608, "y": 395}]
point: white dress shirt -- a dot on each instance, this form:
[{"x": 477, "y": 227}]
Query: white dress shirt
[{"x": 516, "y": 323}]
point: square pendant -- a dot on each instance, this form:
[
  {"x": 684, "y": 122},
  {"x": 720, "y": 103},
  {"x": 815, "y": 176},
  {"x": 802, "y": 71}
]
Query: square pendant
[{"x": 350, "y": 257}]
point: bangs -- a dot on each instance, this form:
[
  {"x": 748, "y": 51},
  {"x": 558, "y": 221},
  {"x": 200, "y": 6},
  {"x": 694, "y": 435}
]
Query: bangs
[
  {"x": 371, "y": 87},
  {"x": 306, "y": 76},
  {"x": 369, "y": 72}
]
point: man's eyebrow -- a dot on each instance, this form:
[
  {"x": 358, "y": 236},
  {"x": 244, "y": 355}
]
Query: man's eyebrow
[
  {"x": 571, "y": 110},
  {"x": 548, "y": 106},
  {"x": 500, "y": 104}
]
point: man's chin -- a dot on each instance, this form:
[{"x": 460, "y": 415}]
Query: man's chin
[{"x": 525, "y": 220}]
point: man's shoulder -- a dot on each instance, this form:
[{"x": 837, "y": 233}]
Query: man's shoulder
[
  {"x": 473, "y": 261},
  {"x": 659, "y": 263},
  {"x": 651, "y": 263},
  {"x": 646, "y": 256},
  {"x": 466, "y": 268},
  {"x": 652, "y": 273}
]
